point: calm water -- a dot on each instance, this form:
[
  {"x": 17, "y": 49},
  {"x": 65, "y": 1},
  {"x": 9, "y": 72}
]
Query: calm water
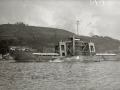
[{"x": 104, "y": 75}]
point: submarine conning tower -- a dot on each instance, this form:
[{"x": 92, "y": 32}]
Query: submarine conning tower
[{"x": 75, "y": 47}]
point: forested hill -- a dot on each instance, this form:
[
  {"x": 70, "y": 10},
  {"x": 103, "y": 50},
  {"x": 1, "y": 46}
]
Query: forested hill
[
  {"x": 36, "y": 37},
  {"x": 39, "y": 37}
]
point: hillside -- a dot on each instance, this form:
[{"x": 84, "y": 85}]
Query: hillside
[{"x": 38, "y": 37}]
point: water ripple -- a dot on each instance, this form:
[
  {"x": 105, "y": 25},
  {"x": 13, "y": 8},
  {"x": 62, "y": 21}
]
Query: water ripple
[{"x": 60, "y": 76}]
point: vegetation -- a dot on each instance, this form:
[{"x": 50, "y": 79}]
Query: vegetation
[{"x": 4, "y": 47}]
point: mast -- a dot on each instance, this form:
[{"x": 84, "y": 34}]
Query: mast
[
  {"x": 77, "y": 28},
  {"x": 73, "y": 41}
]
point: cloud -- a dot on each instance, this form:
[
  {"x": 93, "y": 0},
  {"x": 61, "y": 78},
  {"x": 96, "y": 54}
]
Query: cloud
[
  {"x": 65, "y": 17},
  {"x": 88, "y": 24},
  {"x": 40, "y": 16},
  {"x": 101, "y": 19}
]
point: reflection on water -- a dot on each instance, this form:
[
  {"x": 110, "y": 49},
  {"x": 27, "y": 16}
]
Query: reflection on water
[{"x": 60, "y": 76}]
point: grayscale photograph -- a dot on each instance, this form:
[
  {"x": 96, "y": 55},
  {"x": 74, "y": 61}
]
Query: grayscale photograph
[{"x": 59, "y": 45}]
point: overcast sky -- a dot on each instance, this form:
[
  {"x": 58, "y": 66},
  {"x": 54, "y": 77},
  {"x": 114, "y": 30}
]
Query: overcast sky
[{"x": 98, "y": 17}]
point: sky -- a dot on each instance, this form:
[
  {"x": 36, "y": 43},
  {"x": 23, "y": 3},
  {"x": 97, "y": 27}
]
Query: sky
[{"x": 96, "y": 17}]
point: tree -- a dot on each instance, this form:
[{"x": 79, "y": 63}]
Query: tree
[{"x": 4, "y": 48}]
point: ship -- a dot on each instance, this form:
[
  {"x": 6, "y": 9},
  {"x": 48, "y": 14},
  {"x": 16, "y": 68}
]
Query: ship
[{"x": 74, "y": 49}]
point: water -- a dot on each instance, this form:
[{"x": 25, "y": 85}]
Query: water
[{"x": 104, "y": 75}]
